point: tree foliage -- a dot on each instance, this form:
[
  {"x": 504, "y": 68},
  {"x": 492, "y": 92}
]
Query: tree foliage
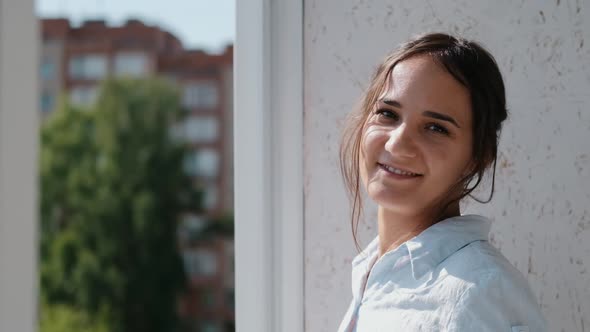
[{"x": 112, "y": 189}]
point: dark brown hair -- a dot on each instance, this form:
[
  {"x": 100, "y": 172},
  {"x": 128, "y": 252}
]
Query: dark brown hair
[{"x": 472, "y": 66}]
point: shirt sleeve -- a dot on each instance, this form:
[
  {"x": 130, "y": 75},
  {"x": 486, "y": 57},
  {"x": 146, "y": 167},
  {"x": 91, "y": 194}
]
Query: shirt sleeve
[{"x": 495, "y": 303}]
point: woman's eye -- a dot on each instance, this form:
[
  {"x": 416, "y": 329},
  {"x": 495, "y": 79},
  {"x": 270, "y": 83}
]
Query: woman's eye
[
  {"x": 437, "y": 128},
  {"x": 385, "y": 113}
]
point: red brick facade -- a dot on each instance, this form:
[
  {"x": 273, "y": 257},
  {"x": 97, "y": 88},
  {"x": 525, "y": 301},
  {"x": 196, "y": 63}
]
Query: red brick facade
[{"x": 75, "y": 59}]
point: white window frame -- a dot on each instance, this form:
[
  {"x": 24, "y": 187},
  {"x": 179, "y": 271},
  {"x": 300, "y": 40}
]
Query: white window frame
[
  {"x": 268, "y": 152},
  {"x": 19, "y": 107}
]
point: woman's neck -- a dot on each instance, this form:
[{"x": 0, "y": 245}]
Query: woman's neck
[{"x": 395, "y": 228}]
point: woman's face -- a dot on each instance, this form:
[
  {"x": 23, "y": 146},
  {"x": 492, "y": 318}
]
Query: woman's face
[{"x": 417, "y": 140}]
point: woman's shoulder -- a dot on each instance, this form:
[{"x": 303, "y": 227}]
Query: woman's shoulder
[
  {"x": 480, "y": 268},
  {"x": 479, "y": 260},
  {"x": 493, "y": 293}
]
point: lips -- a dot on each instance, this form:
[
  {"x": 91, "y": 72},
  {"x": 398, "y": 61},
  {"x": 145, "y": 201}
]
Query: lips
[{"x": 398, "y": 171}]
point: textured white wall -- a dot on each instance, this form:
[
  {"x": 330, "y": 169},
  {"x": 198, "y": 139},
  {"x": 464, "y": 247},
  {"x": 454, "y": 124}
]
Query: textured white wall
[{"x": 541, "y": 207}]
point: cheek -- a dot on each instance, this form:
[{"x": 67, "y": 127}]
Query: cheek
[
  {"x": 450, "y": 163},
  {"x": 373, "y": 141},
  {"x": 369, "y": 151}
]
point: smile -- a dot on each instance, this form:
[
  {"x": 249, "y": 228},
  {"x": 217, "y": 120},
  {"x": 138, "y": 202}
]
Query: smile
[{"x": 397, "y": 171}]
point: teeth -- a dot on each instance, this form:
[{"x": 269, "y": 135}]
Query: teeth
[{"x": 398, "y": 171}]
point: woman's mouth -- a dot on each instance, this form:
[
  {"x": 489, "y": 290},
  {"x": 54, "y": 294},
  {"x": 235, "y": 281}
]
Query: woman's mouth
[{"x": 397, "y": 171}]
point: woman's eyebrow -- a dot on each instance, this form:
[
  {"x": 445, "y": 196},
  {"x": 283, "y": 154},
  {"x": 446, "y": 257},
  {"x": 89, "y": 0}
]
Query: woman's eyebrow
[
  {"x": 440, "y": 116},
  {"x": 391, "y": 102}
]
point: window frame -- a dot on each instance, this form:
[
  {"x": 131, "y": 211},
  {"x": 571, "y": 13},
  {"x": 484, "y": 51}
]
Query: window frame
[
  {"x": 124, "y": 56},
  {"x": 19, "y": 118},
  {"x": 268, "y": 154},
  {"x": 83, "y": 59}
]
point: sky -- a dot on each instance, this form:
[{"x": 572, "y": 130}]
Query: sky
[{"x": 199, "y": 24}]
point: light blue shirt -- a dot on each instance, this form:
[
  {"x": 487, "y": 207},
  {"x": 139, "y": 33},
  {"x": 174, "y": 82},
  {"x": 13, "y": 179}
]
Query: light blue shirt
[{"x": 448, "y": 278}]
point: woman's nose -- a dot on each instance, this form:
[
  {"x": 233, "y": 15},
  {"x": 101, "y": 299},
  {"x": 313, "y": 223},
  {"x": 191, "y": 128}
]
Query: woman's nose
[{"x": 400, "y": 142}]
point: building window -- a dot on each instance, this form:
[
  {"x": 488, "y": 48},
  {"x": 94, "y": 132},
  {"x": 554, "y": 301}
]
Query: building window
[
  {"x": 190, "y": 227},
  {"x": 47, "y": 69},
  {"x": 47, "y": 102},
  {"x": 230, "y": 297},
  {"x": 131, "y": 64},
  {"x": 201, "y": 129},
  {"x": 229, "y": 281},
  {"x": 202, "y": 94},
  {"x": 209, "y": 298},
  {"x": 88, "y": 67},
  {"x": 200, "y": 262},
  {"x": 84, "y": 95},
  {"x": 204, "y": 162},
  {"x": 211, "y": 197},
  {"x": 169, "y": 78},
  {"x": 190, "y": 164},
  {"x": 208, "y": 162},
  {"x": 210, "y": 327},
  {"x": 176, "y": 132}
]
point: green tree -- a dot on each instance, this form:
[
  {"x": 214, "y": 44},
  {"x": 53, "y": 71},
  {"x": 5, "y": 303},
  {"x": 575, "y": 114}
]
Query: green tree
[
  {"x": 112, "y": 189},
  {"x": 60, "y": 318}
]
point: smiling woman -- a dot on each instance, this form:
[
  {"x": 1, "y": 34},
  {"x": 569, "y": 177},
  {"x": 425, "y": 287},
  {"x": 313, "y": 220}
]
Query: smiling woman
[
  {"x": 405, "y": 135},
  {"x": 425, "y": 135}
]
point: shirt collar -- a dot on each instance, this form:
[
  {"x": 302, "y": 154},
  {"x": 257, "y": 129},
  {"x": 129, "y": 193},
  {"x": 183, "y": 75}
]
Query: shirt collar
[
  {"x": 441, "y": 240},
  {"x": 429, "y": 248}
]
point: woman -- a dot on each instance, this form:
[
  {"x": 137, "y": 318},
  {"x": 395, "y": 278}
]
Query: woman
[{"x": 424, "y": 136}]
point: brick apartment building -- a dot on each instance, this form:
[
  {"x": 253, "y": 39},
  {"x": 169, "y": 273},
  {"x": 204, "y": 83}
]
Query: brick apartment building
[{"x": 73, "y": 62}]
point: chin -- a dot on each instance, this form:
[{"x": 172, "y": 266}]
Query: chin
[
  {"x": 395, "y": 202},
  {"x": 408, "y": 213}
]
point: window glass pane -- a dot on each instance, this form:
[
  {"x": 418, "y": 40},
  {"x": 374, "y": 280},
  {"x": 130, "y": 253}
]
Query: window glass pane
[
  {"x": 208, "y": 298},
  {"x": 176, "y": 132},
  {"x": 204, "y": 163},
  {"x": 230, "y": 297},
  {"x": 200, "y": 262},
  {"x": 190, "y": 164},
  {"x": 84, "y": 95},
  {"x": 200, "y": 95},
  {"x": 229, "y": 281},
  {"x": 131, "y": 64},
  {"x": 211, "y": 197},
  {"x": 210, "y": 327},
  {"x": 190, "y": 227},
  {"x": 47, "y": 101},
  {"x": 200, "y": 129},
  {"x": 89, "y": 66},
  {"x": 207, "y": 163},
  {"x": 47, "y": 69}
]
